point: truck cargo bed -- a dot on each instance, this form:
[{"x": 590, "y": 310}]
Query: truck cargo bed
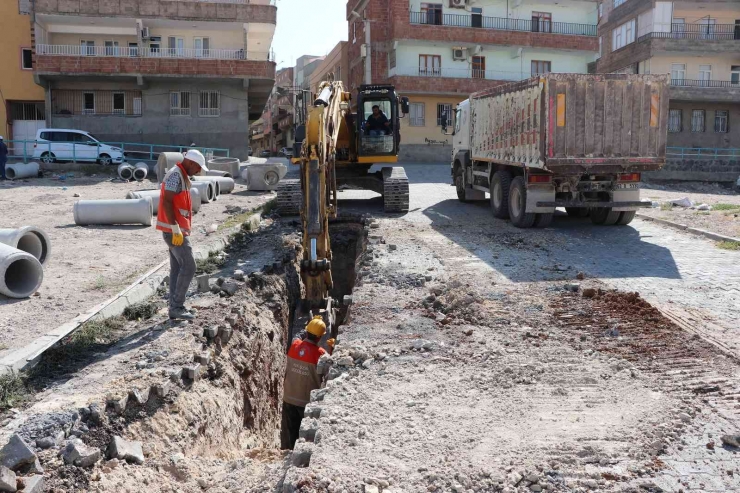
[{"x": 574, "y": 123}]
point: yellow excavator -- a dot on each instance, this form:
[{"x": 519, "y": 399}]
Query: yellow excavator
[{"x": 338, "y": 149}]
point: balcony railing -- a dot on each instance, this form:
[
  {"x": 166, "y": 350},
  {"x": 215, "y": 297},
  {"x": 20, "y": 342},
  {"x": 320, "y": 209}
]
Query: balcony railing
[
  {"x": 459, "y": 73},
  {"x": 436, "y": 18},
  {"x": 238, "y": 2},
  {"x": 704, "y": 83},
  {"x": 697, "y": 31},
  {"x": 702, "y": 153},
  {"x": 135, "y": 52}
]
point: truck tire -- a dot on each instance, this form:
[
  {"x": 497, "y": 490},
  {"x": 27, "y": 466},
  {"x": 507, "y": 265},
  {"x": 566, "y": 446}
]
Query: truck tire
[
  {"x": 604, "y": 216},
  {"x": 577, "y": 211},
  {"x": 460, "y": 184},
  {"x": 543, "y": 220},
  {"x": 499, "y": 192},
  {"x": 625, "y": 218},
  {"x": 518, "y": 204}
]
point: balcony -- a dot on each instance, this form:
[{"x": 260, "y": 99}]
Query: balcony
[
  {"x": 450, "y": 80},
  {"x": 523, "y": 25},
  {"x": 695, "y": 38},
  {"x": 705, "y": 90}
]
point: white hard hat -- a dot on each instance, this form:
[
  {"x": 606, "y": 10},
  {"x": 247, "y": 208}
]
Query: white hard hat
[
  {"x": 1, "y": 137},
  {"x": 197, "y": 157}
]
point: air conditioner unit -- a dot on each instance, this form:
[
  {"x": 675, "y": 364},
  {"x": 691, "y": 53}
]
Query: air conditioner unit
[
  {"x": 458, "y": 4},
  {"x": 145, "y": 33},
  {"x": 459, "y": 53}
]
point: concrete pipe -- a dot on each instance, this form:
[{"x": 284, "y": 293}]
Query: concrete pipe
[
  {"x": 206, "y": 190},
  {"x": 20, "y": 272},
  {"x": 215, "y": 172},
  {"x": 28, "y": 239},
  {"x": 228, "y": 164},
  {"x": 140, "y": 171},
  {"x": 226, "y": 185},
  {"x": 16, "y": 171},
  {"x": 132, "y": 211},
  {"x": 125, "y": 171},
  {"x": 152, "y": 194},
  {"x": 195, "y": 199},
  {"x": 166, "y": 161}
]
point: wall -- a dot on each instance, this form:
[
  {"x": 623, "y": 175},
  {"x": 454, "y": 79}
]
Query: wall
[
  {"x": 711, "y": 170},
  {"x": 426, "y": 144},
  {"x": 708, "y": 138},
  {"x": 721, "y": 64},
  {"x": 15, "y": 83},
  {"x": 336, "y": 58},
  {"x": 230, "y": 130},
  {"x": 579, "y": 12},
  {"x": 693, "y": 15}
]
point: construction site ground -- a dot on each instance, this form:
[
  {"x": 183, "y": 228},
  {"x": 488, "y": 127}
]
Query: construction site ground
[
  {"x": 89, "y": 264},
  {"x": 468, "y": 365}
]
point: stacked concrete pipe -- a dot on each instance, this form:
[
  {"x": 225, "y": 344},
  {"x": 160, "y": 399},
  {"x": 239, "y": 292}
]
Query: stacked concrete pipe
[
  {"x": 20, "y": 272},
  {"x": 226, "y": 185},
  {"x": 206, "y": 189},
  {"x": 154, "y": 196},
  {"x": 133, "y": 211},
  {"x": 17, "y": 171},
  {"x": 227, "y": 164},
  {"x": 215, "y": 172},
  {"x": 166, "y": 161},
  {"x": 141, "y": 170},
  {"x": 125, "y": 171},
  {"x": 28, "y": 239}
]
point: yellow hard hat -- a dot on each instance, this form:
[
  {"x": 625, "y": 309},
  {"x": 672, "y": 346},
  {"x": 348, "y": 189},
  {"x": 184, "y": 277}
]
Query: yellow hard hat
[{"x": 316, "y": 326}]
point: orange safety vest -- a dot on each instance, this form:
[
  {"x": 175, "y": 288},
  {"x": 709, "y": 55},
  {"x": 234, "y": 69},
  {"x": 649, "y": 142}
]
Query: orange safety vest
[
  {"x": 182, "y": 203},
  {"x": 301, "y": 376}
]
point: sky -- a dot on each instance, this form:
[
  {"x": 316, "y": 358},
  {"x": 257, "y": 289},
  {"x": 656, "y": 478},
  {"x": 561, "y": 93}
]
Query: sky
[{"x": 308, "y": 27}]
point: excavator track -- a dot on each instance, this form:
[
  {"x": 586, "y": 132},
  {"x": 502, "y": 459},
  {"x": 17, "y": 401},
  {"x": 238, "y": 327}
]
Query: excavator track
[
  {"x": 395, "y": 190},
  {"x": 289, "y": 197}
]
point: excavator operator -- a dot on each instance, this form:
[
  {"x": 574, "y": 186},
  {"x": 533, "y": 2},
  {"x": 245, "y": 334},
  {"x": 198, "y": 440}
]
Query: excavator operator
[{"x": 301, "y": 377}]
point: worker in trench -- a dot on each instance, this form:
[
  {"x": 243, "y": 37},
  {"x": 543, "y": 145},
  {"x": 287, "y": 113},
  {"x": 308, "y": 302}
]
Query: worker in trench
[
  {"x": 174, "y": 220},
  {"x": 301, "y": 377}
]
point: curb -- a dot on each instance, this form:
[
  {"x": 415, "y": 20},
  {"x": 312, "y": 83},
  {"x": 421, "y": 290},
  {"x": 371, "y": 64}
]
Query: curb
[
  {"x": 683, "y": 227},
  {"x": 141, "y": 289}
]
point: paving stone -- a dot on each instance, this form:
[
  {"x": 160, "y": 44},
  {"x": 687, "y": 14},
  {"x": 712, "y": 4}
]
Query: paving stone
[
  {"x": 211, "y": 332},
  {"x": 130, "y": 451},
  {"x": 16, "y": 454},
  {"x": 229, "y": 287},
  {"x": 192, "y": 372},
  {"x": 225, "y": 334},
  {"x": 161, "y": 389},
  {"x": 117, "y": 402},
  {"x": 33, "y": 484},
  {"x": 7, "y": 480},
  {"x": 203, "y": 283},
  {"x": 203, "y": 359},
  {"x": 139, "y": 396},
  {"x": 79, "y": 454}
]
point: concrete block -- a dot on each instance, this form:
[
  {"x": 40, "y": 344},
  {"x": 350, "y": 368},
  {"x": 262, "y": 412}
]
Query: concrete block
[
  {"x": 204, "y": 283},
  {"x": 139, "y": 396},
  {"x": 34, "y": 484},
  {"x": 79, "y": 454},
  {"x": 192, "y": 372},
  {"x": 7, "y": 480},
  {"x": 161, "y": 389},
  {"x": 301, "y": 456},
  {"x": 203, "y": 359},
  {"x": 225, "y": 333},
  {"x": 121, "y": 449},
  {"x": 210, "y": 332},
  {"x": 16, "y": 454}
]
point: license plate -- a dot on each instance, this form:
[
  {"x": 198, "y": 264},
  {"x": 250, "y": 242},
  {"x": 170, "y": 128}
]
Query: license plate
[{"x": 627, "y": 186}]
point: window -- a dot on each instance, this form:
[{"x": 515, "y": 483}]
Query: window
[
  {"x": 133, "y": 49},
  {"x": 735, "y": 75},
  {"x": 111, "y": 48},
  {"x": 87, "y": 47},
  {"x": 708, "y": 27},
  {"x": 180, "y": 103},
  {"x": 476, "y": 17},
  {"x": 88, "y": 103},
  {"x": 674, "y": 121},
  {"x": 623, "y": 35},
  {"x": 443, "y": 109},
  {"x": 137, "y": 106},
  {"x": 479, "y": 67},
  {"x": 430, "y": 64},
  {"x": 705, "y": 74},
  {"x": 392, "y": 59},
  {"x": 202, "y": 47},
  {"x": 210, "y": 103},
  {"x": 644, "y": 67},
  {"x": 540, "y": 67},
  {"x": 678, "y": 74},
  {"x": 697, "y": 120},
  {"x": 416, "y": 115},
  {"x": 431, "y": 13},
  {"x": 26, "y": 59},
  {"x": 678, "y": 27},
  {"x": 119, "y": 103},
  {"x": 721, "y": 121},
  {"x": 542, "y": 22},
  {"x": 175, "y": 46},
  {"x": 617, "y": 3},
  {"x": 154, "y": 49}
]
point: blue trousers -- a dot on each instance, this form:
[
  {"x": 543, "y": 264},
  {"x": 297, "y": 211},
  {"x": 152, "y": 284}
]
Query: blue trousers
[{"x": 3, "y": 160}]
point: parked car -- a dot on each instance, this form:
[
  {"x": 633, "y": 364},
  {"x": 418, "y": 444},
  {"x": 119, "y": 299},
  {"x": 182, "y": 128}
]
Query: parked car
[
  {"x": 286, "y": 152},
  {"x": 61, "y": 144},
  {"x": 265, "y": 153},
  {"x": 249, "y": 151}
]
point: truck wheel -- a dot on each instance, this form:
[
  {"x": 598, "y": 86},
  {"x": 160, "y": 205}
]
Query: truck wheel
[
  {"x": 625, "y": 218},
  {"x": 604, "y": 216},
  {"x": 577, "y": 211},
  {"x": 500, "y": 184},
  {"x": 543, "y": 220},
  {"x": 460, "y": 184},
  {"x": 518, "y": 204}
]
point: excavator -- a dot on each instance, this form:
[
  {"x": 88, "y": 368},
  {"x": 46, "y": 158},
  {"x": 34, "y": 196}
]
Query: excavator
[{"x": 338, "y": 150}]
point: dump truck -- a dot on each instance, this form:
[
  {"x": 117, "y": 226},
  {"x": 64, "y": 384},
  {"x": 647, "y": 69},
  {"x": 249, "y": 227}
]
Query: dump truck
[{"x": 576, "y": 141}]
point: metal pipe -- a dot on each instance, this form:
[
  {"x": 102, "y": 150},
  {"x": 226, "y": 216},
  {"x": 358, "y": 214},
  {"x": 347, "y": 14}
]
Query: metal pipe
[
  {"x": 226, "y": 185},
  {"x": 16, "y": 171},
  {"x": 125, "y": 171},
  {"x": 206, "y": 189},
  {"x": 141, "y": 170},
  {"x": 29, "y": 239},
  {"x": 133, "y": 211},
  {"x": 20, "y": 272}
]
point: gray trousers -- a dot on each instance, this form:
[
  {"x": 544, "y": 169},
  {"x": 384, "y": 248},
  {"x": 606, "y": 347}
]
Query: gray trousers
[{"x": 182, "y": 270}]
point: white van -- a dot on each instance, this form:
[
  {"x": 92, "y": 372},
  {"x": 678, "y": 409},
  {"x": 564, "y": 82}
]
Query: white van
[{"x": 61, "y": 144}]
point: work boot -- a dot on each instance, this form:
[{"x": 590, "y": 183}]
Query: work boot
[{"x": 181, "y": 314}]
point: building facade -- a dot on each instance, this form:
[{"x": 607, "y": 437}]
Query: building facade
[
  {"x": 22, "y": 110},
  {"x": 159, "y": 71},
  {"x": 698, "y": 44},
  {"x": 438, "y": 52},
  {"x": 335, "y": 64}
]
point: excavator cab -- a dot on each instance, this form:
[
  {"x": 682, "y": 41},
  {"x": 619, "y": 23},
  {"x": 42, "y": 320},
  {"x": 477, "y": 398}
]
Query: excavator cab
[{"x": 378, "y": 122}]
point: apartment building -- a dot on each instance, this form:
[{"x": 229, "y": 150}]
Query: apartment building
[
  {"x": 335, "y": 64},
  {"x": 437, "y": 52},
  {"x": 160, "y": 71},
  {"x": 698, "y": 43},
  {"x": 22, "y": 109},
  {"x": 279, "y": 114}
]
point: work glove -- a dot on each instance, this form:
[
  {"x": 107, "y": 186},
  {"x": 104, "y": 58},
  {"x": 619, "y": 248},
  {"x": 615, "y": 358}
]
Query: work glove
[
  {"x": 177, "y": 237},
  {"x": 331, "y": 342}
]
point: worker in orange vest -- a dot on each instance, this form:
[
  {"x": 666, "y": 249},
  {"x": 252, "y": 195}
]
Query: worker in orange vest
[
  {"x": 174, "y": 220},
  {"x": 301, "y": 377}
]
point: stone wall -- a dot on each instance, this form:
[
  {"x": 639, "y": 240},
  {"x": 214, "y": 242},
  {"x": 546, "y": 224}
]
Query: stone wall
[{"x": 710, "y": 170}]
